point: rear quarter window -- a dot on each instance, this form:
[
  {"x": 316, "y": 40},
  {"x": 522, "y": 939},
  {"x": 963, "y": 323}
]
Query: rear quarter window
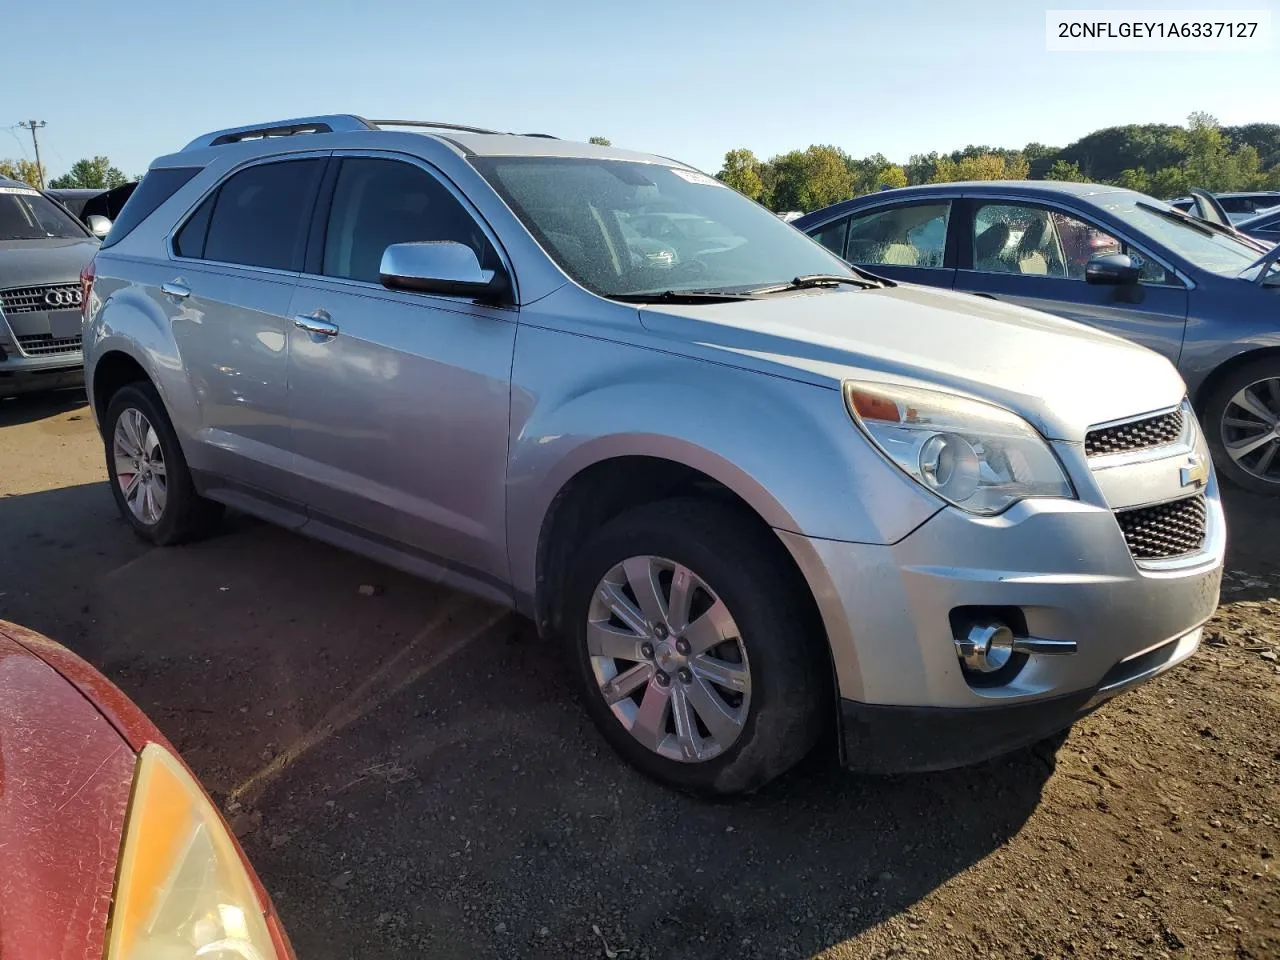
[{"x": 154, "y": 189}]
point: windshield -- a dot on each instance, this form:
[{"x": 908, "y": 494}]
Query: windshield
[
  {"x": 26, "y": 214},
  {"x": 626, "y": 228},
  {"x": 1208, "y": 250}
]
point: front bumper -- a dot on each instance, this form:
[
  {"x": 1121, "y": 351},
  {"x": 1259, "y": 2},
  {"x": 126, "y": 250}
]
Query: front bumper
[
  {"x": 20, "y": 373},
  {"x": 1062, "y": 565}
]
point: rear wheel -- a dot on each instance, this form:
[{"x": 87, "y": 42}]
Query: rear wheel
[
  {"x": 699, "y": 656},
  {"x": 1242, "y": 420},
  {"x": 149, "y": 477}
]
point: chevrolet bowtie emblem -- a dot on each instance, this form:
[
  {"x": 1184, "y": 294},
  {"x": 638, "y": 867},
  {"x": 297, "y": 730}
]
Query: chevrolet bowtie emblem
[{"x": 1195, "y": 473}]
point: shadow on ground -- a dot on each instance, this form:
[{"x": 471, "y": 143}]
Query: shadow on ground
[
  {"x": 413, "y": 775},
  {"x": 29, "y": 407}
]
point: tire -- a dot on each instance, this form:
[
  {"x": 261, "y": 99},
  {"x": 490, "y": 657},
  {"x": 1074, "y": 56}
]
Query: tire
[
  {"x": 1228, "y": 423},
  {"x": 163, "y": 509},
  {"x": 772, "y": 688}
]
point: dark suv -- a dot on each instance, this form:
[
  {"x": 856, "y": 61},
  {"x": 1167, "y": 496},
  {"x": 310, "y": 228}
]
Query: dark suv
[{"x": 42, "y": 251}]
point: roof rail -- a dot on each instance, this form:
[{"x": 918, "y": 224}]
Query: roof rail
[
  {"x": 429, "y": 124},
  {"x": 333, "y": 123}
]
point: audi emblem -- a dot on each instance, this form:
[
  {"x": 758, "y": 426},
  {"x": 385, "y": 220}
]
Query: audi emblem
[{"x": 63, "y": 298}]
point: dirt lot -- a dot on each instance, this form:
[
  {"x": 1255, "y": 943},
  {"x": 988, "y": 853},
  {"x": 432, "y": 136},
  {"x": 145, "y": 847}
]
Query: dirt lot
[{"x": 413, "y": 777}]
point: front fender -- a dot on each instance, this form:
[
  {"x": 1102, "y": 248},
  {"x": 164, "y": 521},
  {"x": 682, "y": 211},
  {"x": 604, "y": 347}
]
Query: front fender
[{"x": 788, "y": 449}]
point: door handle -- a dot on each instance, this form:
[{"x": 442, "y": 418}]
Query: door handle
[
  {"x": 317, "y": 323},
  {"x": 175, "y": 288}
]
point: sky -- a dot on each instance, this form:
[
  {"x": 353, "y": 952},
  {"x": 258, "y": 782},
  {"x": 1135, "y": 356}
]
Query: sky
[{"x": 688, "y": 79}]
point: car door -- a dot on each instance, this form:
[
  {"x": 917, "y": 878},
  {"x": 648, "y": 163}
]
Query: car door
[
  {"x": 1035, "y": 254},
  {"x": 902, "y": 241},
  {"x": 400, "y": 414},
  {"x": 236, "y": 259}
]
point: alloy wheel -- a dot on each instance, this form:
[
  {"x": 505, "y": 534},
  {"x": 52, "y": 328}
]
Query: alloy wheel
[
  {"x": 140, "y": 467},
  {"x": 1251, "y": 429},
  {"x": 668, "y": 658}
]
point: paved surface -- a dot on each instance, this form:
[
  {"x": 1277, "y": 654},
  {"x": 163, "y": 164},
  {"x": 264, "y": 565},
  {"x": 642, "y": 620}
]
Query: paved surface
[{"x": 412, "y": 775}]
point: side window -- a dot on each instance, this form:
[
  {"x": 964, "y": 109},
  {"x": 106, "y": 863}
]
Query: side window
[
  {"x": 1035, "y": 241},
  {"x": 910, "y": 236},
  {"x": 380, "y": 202},
  {"x": 155, "y": 188},
  {"x": 832, "y": 236},
  {"x": 258, "y": 217},
  {"x": 189, "y": 241}
]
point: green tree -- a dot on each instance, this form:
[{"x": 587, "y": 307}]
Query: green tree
[
  {"x": 921, "y": 167},
  {"x": 982, "y": 166},
  {"x": 1168, "y": 182},
  {"x": 875, "y": 173},
  {"x": 809, "y": 179},
  {"x": 22, "y": 170},
  {"x": 601, "y": 141},
  {"x": 1061, "y": 170},
  {"x": 96, "y": 172},
  {"x": 741, "y": 171},
  {"x": 1135, "y": 178}
]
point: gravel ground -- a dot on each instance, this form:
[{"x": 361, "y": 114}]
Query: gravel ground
[{"x": 412, "y": 775}]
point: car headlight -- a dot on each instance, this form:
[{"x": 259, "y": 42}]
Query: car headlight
[
  {"x": 182, "y": 890},
  {"x": 977, "y": 456}
]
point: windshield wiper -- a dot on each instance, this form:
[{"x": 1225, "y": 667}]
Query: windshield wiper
[
  {"x": 812, "y": 280},
  {"x": 683, "y": 296},
  {"x": 1177, "y": 216}
]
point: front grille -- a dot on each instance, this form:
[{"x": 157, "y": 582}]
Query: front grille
[
  {"x": 42, "y": 344},
  {"x": 34, "y": 299},
  {"x": 1165, "y": 530},
  {"x": 1134, "y": 435}
]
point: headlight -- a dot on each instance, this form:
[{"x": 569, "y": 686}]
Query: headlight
[
  {"x": 182, "y": 890},
  {"x": 980, "y": 457}
]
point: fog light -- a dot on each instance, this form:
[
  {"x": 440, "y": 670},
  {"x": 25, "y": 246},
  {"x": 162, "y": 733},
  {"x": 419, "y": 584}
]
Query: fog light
[{"x": 986, "y": 647}]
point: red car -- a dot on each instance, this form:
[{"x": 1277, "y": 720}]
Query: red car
[{"x": 109, "y": 847}]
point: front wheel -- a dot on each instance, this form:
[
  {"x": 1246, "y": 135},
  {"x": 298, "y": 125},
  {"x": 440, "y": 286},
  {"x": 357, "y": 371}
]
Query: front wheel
[
  {"x": 700, "y": 658},
  {"x": 1242, "y": 421},
  {"x": 149, "y": 476}
]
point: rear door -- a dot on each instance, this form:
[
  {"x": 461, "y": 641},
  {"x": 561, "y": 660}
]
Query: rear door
[
  {"x": 902, "y": 241},
  {"x": 1034, "y": 255},
  {"x": 236, "y": 260}
]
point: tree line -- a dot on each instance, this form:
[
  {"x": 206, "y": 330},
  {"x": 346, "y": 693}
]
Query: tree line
[
  {"x": 88, "y": 172},
  {"x": 1163, "y": 160}
]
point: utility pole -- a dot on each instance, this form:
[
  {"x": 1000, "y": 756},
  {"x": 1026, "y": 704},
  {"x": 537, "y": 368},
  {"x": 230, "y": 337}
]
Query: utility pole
[{"x": 33, "y": 126}]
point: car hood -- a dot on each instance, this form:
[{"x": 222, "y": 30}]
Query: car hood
[
  {"x": 33, "y": 263},
  {"x": 1060, "y": 375},
  {"x": 65, "y": 775}
]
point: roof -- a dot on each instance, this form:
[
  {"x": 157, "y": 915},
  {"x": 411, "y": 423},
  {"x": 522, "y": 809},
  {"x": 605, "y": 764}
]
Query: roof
[
  {"x": 1029, "y": 188},
  {"x": 329, "y": 129}
]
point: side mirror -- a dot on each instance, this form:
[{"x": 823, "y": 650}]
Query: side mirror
[
  {"x": 99, "y": 226},
  {"x": 1111, "y": 269},
  {"x": 442, "y": 267}
]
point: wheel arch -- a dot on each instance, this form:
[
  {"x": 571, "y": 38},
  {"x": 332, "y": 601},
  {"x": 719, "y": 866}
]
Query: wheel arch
[{"x": 1225, "y": 369}]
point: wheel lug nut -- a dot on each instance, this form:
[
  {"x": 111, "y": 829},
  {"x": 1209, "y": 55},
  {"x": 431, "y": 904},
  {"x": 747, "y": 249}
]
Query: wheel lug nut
[
  {"x": 685, "y": 675},
  {"x": 660, "y": 631},
  {"x": 662, "y": 679},
  {"x": 682, "y": 647},
  {"x": 646, "y": 650}
]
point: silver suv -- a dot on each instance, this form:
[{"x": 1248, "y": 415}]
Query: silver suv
[{"x": 758, "y": 494}]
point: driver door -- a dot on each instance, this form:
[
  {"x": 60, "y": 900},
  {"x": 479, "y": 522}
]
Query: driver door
[{"x": 1035, "y": 256}]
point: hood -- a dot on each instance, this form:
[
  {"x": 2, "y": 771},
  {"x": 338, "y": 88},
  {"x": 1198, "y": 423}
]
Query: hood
[
  {"x": 33, "y": 263},
  {"x": 1061, "y": 376},
  {"x": 65, "y": 776}
]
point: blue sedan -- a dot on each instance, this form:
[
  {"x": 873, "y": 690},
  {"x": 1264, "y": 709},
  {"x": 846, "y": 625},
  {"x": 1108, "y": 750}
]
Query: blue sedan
[{"x": 1112, "y": 258}]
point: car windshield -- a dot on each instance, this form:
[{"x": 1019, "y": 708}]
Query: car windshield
[
  {"x": 26, "y": 214},
  {"x": 627, "y": 229},
  {"x": 1208, "y": 250}
]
